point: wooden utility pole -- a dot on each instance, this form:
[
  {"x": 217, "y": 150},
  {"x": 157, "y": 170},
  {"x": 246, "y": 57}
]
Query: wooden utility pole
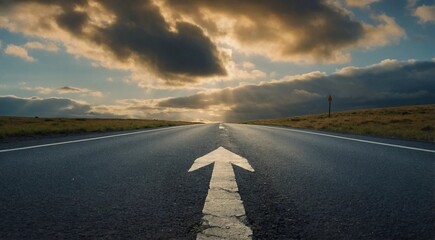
[{"x": 330, "y": 101}]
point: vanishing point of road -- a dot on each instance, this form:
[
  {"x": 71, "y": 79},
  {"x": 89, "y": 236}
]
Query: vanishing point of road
[{"x": 183, "y": 182}]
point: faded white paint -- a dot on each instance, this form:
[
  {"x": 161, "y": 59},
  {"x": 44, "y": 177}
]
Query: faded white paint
[
  {"x": 90, "y": 139},
  {"x": 351, "y": 139},
  {"x": 224, "y": 214}
]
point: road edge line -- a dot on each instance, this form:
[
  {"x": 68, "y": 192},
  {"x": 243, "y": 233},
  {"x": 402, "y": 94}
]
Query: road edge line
[
  {"x": 350, "y": 139},
  {"x": 88, "y": 139}
]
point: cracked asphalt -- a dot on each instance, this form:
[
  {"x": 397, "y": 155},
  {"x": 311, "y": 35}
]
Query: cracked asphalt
[{"x": 138, "y": 186}]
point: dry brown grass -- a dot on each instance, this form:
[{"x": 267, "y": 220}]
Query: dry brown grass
[
  {"x": 408, "y": 122},
  {"x": 28, "y": 127}
]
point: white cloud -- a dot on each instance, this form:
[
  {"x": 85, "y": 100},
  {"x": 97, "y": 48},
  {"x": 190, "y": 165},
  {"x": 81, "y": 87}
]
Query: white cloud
[
  {"x": 360, "y": 3},
  {"x": 301, "y": 77},
  {"x": 386, "y": 32},
  {"x": 248, "y": 65},
  {"x": 18, "y": 51},
  {"x": 22, "y": 51},
  {"x": 51, "y": 47},
  {"x": 63, "y": 90},
  {"x": 425, "y": 13},
  {"x": 82, "y": 91},
  {"x": 244, "y": 71}
]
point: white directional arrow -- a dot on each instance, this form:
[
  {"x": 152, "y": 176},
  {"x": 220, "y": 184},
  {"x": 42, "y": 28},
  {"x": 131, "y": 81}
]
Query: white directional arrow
[{"x": 223, "y": 211}]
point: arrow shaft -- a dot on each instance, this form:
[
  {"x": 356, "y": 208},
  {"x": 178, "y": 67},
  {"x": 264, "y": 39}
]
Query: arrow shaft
[{"x": 224, "y": 214}]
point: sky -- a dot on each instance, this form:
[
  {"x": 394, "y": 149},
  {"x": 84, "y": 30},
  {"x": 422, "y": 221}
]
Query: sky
[{"x": 205, "y": 60}]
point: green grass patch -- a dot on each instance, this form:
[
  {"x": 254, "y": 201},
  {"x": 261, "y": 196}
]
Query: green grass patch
[
  {"x": 407, "y": 122},
  {"x": 29, "y": 127}
]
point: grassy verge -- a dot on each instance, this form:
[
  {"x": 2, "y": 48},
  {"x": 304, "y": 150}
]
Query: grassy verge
[
  {"x": 30, "y": 127},
  {"x": 408, "y": 122}
]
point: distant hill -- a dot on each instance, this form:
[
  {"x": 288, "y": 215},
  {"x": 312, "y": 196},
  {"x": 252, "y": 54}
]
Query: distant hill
[{"x": 407, "y": 122}]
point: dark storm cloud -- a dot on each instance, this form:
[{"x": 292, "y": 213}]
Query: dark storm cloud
[
  {"x": 49, "y": 107},
  {"x": 72, "y": 21},
  {"x": 176, "y": 40},
  {"x": 390, "y": 83},
  {"x": 313, "y": 27},
  {"x": 141, "y": 29},
  {"x": 140, "y": 33},
  {"x": 69, "y": 89}
]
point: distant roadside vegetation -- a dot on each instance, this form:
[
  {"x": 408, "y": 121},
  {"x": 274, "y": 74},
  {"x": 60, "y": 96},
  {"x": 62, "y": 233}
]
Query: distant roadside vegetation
[
  {"x": 11, "y": 127},
  {"x": 408, "y": 122}
]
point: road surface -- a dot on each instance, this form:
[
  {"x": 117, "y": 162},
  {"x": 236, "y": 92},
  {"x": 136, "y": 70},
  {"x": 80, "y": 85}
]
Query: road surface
[{"x": 306, "y": 185}]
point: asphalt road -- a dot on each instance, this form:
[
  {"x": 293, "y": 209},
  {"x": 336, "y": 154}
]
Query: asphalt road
[{"x": 137, "y": 186}]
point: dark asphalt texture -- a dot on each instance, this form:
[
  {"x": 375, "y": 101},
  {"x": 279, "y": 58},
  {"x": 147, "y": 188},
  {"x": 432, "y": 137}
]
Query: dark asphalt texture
[{"x": 137, "y": 186}]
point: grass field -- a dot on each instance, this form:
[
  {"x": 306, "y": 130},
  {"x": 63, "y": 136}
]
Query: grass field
[
  {"x": 408, "y": 122},
  {"x": 30, "y": 127}
]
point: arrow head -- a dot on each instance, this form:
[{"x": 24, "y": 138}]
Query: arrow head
[{"x": 221, "y": 155}]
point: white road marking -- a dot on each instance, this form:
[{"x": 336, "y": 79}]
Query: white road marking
[
  {"x": 224, "y": 214},
  {"x": 86, "y": 140},
  {"x": 353, "y": 139},
  {"x": 221, "y": 126}
]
